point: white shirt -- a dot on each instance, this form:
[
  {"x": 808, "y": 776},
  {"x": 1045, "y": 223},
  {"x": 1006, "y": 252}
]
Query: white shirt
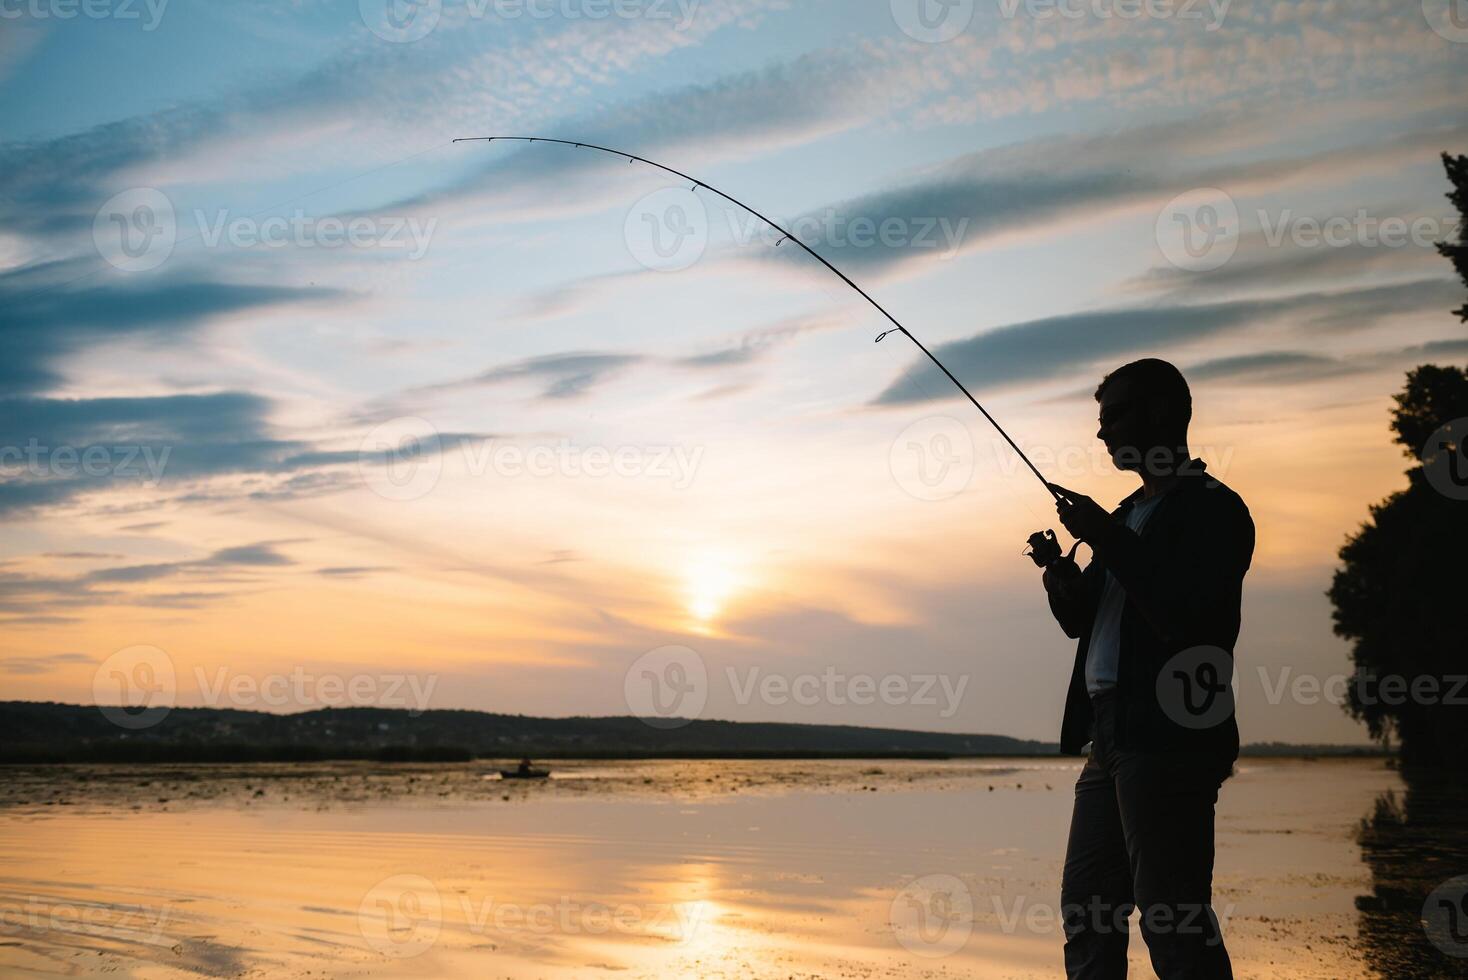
[{"x": 1103, "y": 653}]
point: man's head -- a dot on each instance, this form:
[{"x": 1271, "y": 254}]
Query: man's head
[{"x": 1144, "y": 411}]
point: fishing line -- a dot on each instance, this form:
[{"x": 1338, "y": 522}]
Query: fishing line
[{"x": 897, "y": 327}]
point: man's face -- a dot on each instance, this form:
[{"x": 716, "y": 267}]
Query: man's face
[{"x": 1124, "y": 425}]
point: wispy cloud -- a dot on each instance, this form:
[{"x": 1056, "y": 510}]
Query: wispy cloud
[
  {"x": 43, "y": 321},
  {"x": 25, "y": 596},
  {"x": 1044, "y": 349},
  {"x": 1048, "y": 184},
  {"x": 43, "y": 663},
  {"x": 466, "y": 71},
  {"x": 1295, "y": 366},
  {"x": 262, "y": 555},
  {"x": 572, "y": 374},
  {"x": 559, "y": 375},
  {"x": 199, "y": 448}
]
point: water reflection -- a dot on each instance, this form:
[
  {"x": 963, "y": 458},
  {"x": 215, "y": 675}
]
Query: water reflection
[
  {"x": 653, "y": 871},
  {"x": 656, "y": 870},
  {"x": 1414, "y": 841}
]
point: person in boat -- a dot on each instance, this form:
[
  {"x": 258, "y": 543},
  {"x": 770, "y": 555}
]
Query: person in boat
[{"x": 525, "y": 767}]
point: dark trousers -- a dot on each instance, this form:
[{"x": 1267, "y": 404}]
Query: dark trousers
[{"x": 1142, "y": 835}]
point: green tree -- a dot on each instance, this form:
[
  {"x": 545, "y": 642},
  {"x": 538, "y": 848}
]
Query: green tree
[
  {"x": 1400, "y": 591},
  {"x": 1457, "y": 252},
  {"x": 1399, "y": 594}
]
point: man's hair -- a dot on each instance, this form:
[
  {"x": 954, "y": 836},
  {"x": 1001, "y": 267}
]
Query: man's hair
[{"x": 1157, "y": 380}]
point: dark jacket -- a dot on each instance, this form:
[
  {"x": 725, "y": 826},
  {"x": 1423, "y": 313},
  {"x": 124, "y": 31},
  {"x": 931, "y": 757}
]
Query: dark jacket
[{"x": 1183, "y": 576}]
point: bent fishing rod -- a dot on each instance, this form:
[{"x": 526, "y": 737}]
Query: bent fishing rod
[{"x": 1044, "y": 548}]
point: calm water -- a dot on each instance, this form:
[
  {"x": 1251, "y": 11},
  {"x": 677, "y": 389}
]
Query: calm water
[{"x": 666, "y": 869}]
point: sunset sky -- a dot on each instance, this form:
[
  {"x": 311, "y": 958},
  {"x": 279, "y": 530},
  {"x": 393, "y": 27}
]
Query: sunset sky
[{"x": 241, "y": 262}]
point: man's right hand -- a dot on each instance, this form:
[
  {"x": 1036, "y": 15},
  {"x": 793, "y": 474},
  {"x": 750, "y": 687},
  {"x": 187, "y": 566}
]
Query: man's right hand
[{"x": 1061, "y": 576}]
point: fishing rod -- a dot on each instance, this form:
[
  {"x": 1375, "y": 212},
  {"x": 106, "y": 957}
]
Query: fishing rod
[{"x": 1044, "y": 548}]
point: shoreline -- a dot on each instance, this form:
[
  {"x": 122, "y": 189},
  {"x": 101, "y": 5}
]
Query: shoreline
[{"x": 238, "y": 755}]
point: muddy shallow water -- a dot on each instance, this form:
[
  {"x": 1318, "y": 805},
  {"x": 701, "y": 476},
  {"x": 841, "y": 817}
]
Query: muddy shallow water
[{"x": 660, "y": 869}]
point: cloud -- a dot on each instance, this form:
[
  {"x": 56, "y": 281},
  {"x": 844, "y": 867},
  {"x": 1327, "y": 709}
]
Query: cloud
[
  {"x": 574, "y": 373},
  {"x": 370, "y": 93},
  {"x": 754, "y": 345},
  {"x": 562, "y": 375},
  {"x": 230, "y": 416},
  {"x": 1051, "y": 183},
  {"x": 1272, "y": 269},
  {"x": 728, "y": 357},
  {"x": 1043, "y": 349},
  {"x": 1371, "y": 305},
  {"x": 1008, "y": 65},
  {"x": 42, "y": 664},
  {"x": 1294, "y": 367},
  {"x": 721, "y": 391},
  {"x": 954, "y": 211},
  {"x": 1268, "y": 259},
  {"x": 567, "y": 298},
  {"x": 43, "y": 320},
  {"x": 261, "y": 555},
  {"x": 1267, "y": 367},
  {"x": 38, "y": 599},
  {"x": 1035, "y": 64},
  {"x": 742, "y": 113},
  {"x": 55, "y": 450},
  {"x": 435, "y": 444}
]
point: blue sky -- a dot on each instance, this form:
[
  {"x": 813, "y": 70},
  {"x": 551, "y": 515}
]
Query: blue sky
[{"x": 238, "y": 241}]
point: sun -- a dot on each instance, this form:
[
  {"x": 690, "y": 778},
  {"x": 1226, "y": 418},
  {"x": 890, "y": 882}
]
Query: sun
[{"x": 710, "y": 581}]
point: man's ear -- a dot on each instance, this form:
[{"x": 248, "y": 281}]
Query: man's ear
[{"x": 1157, "y": 415}]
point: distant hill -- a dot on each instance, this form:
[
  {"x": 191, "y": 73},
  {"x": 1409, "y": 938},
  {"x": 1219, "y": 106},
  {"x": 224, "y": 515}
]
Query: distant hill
[{"x": 34, "y": 731}]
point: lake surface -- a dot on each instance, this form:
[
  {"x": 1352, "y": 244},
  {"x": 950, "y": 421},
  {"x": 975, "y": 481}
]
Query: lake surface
[{"x": 661, "y": 869}]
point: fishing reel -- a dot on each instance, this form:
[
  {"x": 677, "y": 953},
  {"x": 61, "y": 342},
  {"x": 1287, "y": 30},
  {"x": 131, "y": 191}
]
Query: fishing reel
[{"x": 1044, "y": 549}]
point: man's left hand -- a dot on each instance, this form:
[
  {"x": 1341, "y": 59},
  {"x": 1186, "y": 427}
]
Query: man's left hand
[{"x": 1083, "y": 517}]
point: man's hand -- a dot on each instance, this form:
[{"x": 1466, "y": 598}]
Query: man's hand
[
  {"x": 1061, "y": 576},
  {"x": 1083, "y": 517}
]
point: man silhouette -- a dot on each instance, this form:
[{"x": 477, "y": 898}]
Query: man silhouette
[{"x": 1156, "y": 612}]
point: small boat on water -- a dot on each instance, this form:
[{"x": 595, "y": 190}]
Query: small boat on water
[{"x": 525, "y": 771}]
